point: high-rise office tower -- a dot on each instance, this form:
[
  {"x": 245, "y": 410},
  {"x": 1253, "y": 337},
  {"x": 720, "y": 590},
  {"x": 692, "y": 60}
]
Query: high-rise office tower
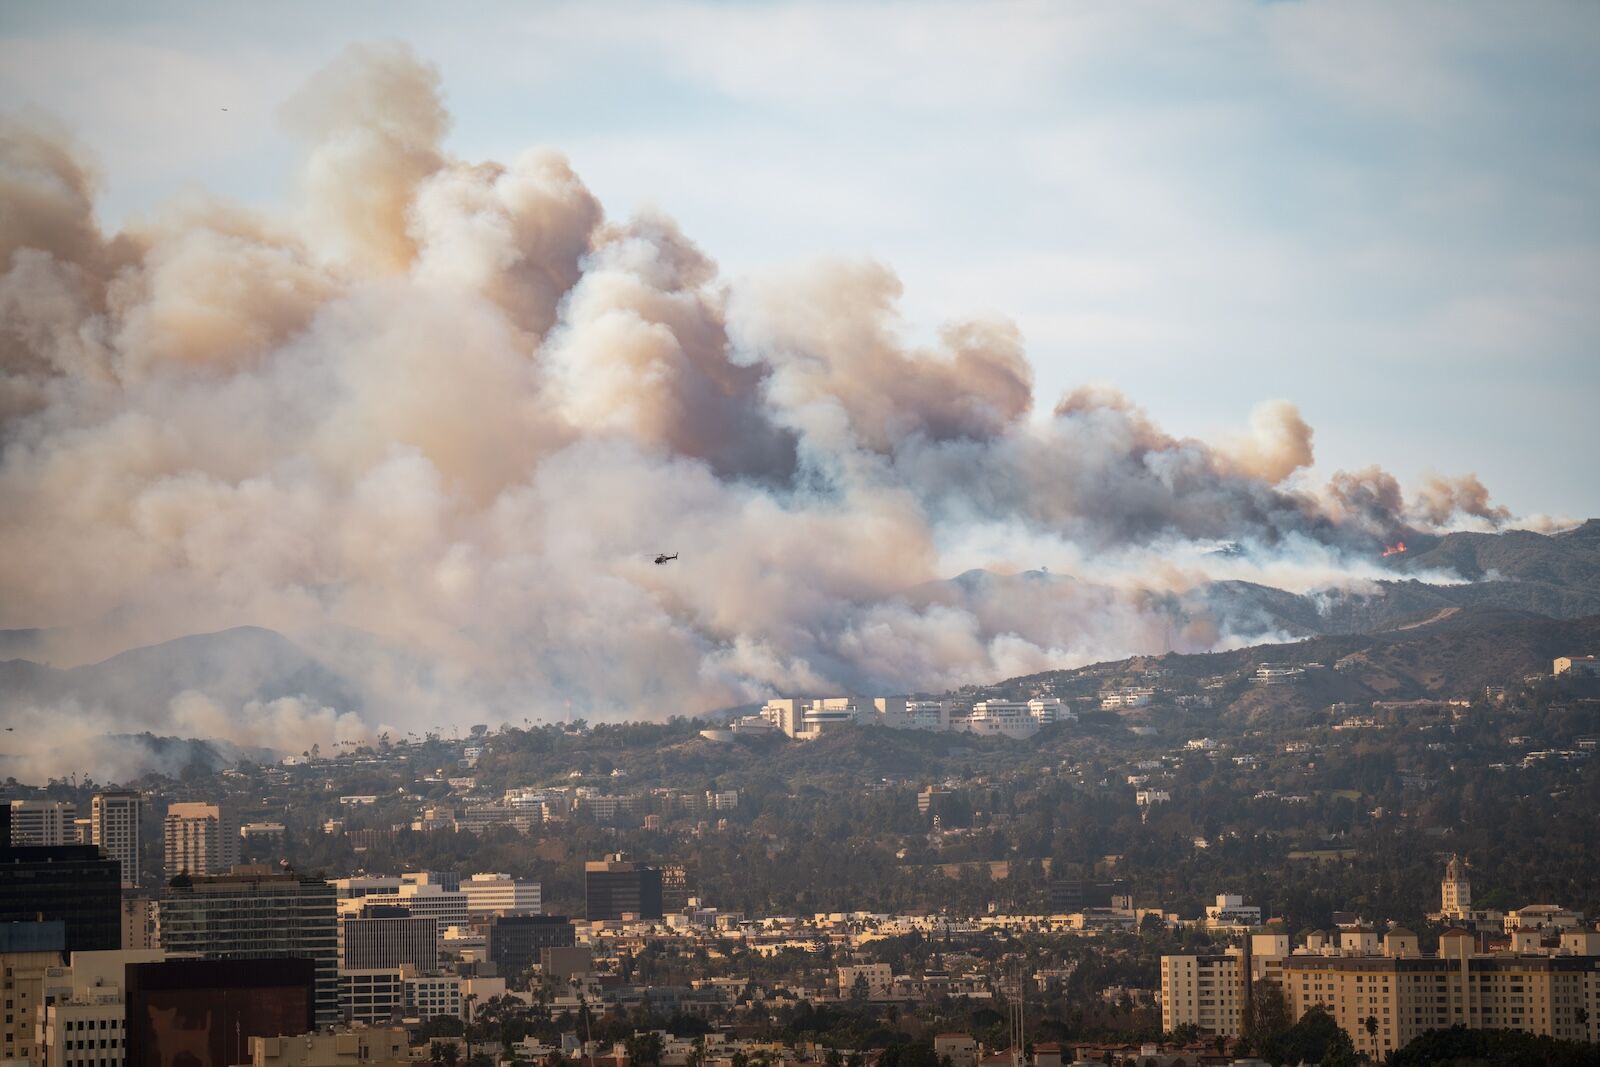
[
  {"x": 500, "y": 894},
  {"x": 384, "y": 936},
  {"x": 114, "y": 827},
  {"x": 252, "y": 915},
  {"x": 206, "y": 1011},
  {"x": 72, "y": 883},
  {"x": 43, "y": 822},
  {"x": 614, "y": 887},
  {"x": 199, "y": 839},
  {"x": 514, "y": 941}
]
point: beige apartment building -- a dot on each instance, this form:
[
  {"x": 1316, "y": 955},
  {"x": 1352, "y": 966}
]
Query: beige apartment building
[
  {"x": 28, "y": 953},
  {"x": 114, "y": 826},
  {"x": 44, "y": 822},
  {"x": 1204, "y": 990},
  {"x": 199, "y": 839},
  {"x": 1385, "y": 1001},
  {"x": 877, "y": 977},
  {"x": 1384, "y": 993}
]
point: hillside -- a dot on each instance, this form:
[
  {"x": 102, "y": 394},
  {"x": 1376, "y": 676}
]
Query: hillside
[
  {"x": 1456, "y": 653},
  {"x": 1570, "y": 559},
  {"x": 1556, "y": 575},
  {"x": 232, "y": 667}
]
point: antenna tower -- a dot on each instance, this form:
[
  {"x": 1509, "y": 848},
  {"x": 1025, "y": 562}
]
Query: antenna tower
[{"x": 1018, "y": 1029}]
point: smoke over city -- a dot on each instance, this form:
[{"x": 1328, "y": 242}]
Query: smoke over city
[{"x": 434, "y": 423}]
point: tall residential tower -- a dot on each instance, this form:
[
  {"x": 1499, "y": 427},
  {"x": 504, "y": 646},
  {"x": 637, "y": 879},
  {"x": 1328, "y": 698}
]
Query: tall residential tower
[
  {"x": 200, "y": 839},
  {"x": 114, "y": 826}
]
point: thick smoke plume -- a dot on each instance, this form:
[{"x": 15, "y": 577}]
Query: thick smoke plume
[{"x": 435, "y": 422}]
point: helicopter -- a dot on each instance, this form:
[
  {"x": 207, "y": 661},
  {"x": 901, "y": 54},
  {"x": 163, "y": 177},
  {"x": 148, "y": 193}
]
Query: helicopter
[{"x": 664, "y": 558}]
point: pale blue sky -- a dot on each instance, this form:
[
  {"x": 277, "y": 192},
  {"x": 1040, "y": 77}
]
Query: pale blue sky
[{"x": 1383, "y": 212}]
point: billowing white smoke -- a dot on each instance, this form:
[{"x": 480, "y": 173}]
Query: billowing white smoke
[{"x": 435, "y": 423}]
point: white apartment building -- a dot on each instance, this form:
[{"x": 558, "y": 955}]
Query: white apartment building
[
  {"x": 199, "y": 839},
  {"x": 928, "y": 714},
  {"x": 891, "y": 712},
  {"x": 500, "y": 894},
  {"x": 371, "y": 996},
  {"x": 877, "y": 977},
  {"x": 1542, "y": 917},
  {"x": 114, "y": 826},
  {"x": 1136, "y": 696},
  {"x": 1016, "y": 718},
  {"x": 1278, "y": 674},
  {"x": 1230, "y": 910},
  {"x": 428, "y": 996},
  {"x": 424, "y": 900},
  {"x": 44, "y": 822},
  {"x": 807, "y": 720}
]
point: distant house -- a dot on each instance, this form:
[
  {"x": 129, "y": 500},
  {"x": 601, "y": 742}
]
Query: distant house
[{"x": 1577, "y": 666}]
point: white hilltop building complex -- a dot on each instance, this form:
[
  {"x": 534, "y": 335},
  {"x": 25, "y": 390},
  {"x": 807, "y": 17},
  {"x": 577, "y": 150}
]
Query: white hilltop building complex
[{"x": 807, "y": 719}]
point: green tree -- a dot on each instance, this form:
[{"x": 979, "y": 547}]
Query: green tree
[
  {"x": 644, "y": 1050},
  {"x": 1316, "y": 1038},
  {"x": 1266, "y": 1016}
]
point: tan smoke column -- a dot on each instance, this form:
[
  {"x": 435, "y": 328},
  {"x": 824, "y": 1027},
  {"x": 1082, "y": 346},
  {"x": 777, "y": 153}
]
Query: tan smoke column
[
  {"x": 1440, "y": 500},
  {"x": 1279, "y": 443},
  {"x": 841, "y": 377},
  {"x": 374, "y": 121},
  {"x": 1370, "y": 495},
  {"x": 434, "y": 424}
]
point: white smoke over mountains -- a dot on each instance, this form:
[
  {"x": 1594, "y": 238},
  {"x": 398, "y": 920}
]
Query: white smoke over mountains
[{"x": 434, "y": 423}]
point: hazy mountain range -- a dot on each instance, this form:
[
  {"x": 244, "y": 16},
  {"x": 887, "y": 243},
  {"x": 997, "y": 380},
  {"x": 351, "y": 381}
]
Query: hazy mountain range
[{"x": 1511, "y": 612}]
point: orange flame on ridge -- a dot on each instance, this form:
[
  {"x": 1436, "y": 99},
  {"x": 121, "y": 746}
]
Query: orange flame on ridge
[{"x": 1394, "y": 549}]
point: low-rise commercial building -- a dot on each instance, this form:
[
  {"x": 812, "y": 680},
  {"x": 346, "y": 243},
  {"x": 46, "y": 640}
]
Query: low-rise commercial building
[
  {"x": 82, "y": 1021},
  {"x": 500, "y": 894},
  {"x": 369, "y": 1048}
]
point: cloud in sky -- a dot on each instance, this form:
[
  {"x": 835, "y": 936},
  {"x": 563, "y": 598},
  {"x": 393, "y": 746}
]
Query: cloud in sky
[{"x": 1381, "y": 209}]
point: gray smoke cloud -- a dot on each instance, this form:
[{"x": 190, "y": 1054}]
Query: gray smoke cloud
[{"x": 434, "y": 422}]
